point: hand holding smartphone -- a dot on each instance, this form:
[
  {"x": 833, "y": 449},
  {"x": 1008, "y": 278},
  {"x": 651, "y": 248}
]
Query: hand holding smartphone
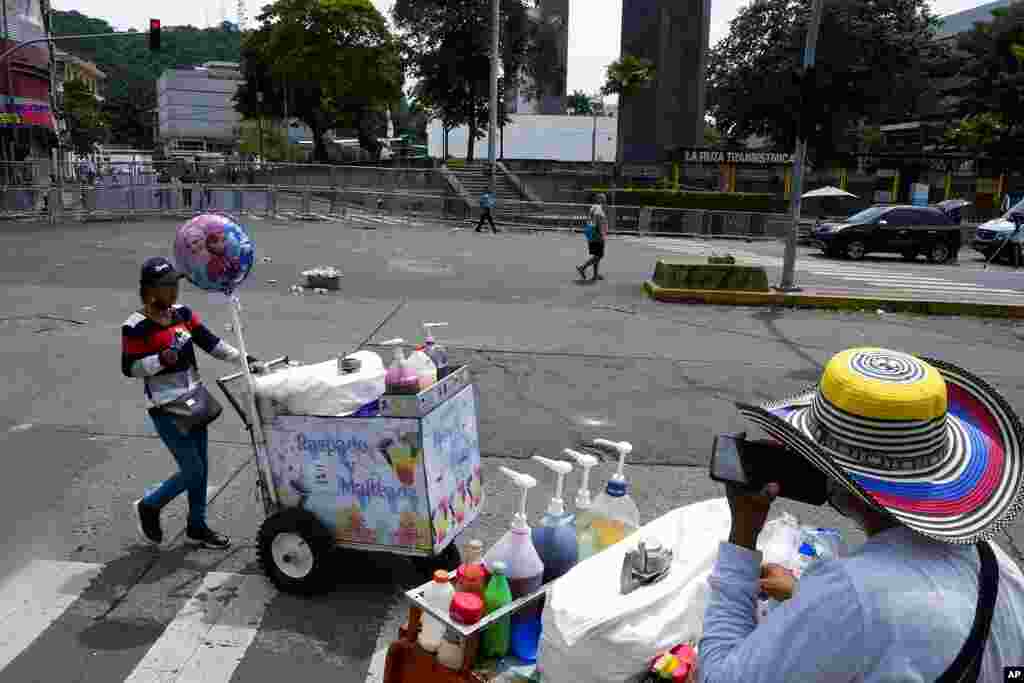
[{"x": 751, "y": 465}]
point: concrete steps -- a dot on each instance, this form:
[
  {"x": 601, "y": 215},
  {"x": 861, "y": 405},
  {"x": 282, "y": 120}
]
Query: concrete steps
[{"x": 476, "y": 180}]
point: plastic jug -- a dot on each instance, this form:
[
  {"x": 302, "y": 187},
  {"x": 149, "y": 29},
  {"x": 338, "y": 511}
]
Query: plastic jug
[
  {"x": 437, "y": 353},
  {"x": 585, "y": 542},
  {"x": 615, "y": 515},
  {"x": 401, "y": 378},
  {"x": 555, "y": 538},
  {"x": 497, "y": 637},
  {"x": 525, "y": 571},
  {"x": 438, "y": 595},
  {"x": 426, "y": 371}
]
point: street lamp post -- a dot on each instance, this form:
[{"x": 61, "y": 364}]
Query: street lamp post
[
  {"x": 259, "y": 100},
  {"x": 493, "y": 127},
  {"x": 596, "y": 107},
  {"x": 789, "y": 262}
]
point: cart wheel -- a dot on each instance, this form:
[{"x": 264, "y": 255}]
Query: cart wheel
[
  {"x": 448, "y": 560},
  {"x": 295, "y": 550}
]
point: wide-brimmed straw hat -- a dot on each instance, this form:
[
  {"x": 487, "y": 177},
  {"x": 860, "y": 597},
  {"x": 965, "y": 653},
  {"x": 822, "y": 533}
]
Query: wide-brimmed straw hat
[{"x": 918, "y": 439}]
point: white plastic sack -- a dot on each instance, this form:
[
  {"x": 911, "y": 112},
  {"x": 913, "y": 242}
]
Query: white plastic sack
[
  {"x": 591, "y": 632},
  {"x": 320, "y": 389}
]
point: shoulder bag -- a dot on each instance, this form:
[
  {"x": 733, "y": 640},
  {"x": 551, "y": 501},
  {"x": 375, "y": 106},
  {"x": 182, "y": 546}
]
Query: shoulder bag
[
  {"x": 966, "y": 668},
  {"x": 195, "y": 409}
]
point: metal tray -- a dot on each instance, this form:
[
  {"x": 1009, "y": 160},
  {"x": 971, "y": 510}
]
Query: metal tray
[{"x": 416, "y": 597}]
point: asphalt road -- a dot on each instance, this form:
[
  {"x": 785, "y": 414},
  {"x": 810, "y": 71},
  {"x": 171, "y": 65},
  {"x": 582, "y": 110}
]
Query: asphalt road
[{"x": 556, "y": 362}]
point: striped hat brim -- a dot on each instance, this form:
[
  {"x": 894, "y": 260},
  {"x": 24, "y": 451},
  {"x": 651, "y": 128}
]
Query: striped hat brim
[{"x": 968, "y": 495}]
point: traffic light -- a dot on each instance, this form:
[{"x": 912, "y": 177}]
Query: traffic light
[{"x": 154, "y": 34}]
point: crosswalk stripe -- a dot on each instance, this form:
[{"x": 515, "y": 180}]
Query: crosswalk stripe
[
  {"x": 34, "y": 598},
  {"x": 210, "y": 634}
]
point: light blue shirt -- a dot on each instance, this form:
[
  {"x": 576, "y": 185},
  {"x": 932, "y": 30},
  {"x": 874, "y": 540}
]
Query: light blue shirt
[{"x": 897, "y": 610}]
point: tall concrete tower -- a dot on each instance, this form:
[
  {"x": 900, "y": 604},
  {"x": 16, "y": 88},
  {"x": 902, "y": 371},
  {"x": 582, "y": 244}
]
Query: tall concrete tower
[
  {"x": 553, "y": 19},
  {"x": 674, "y": 34}
]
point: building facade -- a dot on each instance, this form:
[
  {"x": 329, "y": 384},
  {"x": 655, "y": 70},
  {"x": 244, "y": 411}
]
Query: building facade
[
  {"x": 196, "y": 109},
  {"x": 552, "y": 17},
  {"x": 669, "y": 112},
  {"x": 27, "y": 125}
]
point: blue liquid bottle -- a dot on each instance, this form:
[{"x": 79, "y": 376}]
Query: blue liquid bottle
[
  {"x": 555, "y": 538},
  {"x": 524, "y": 570}
]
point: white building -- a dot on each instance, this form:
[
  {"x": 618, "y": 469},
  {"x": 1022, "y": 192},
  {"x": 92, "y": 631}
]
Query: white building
[
  {"x": 535, "y": 136},
  {"x": 196, "y": 109}
]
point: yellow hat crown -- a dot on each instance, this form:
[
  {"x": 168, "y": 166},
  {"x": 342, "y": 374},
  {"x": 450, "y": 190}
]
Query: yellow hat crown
[{"x": 881, "y": 384}]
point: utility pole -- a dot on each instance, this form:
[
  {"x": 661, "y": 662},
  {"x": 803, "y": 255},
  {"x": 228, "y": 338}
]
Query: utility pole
[
  {"x": 493, "y": 127},
  {"x": 789, "y": 263},
  {"x": 259, "y": 99}
]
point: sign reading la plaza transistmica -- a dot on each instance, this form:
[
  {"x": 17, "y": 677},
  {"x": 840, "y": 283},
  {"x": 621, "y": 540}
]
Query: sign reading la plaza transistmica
[{"x": 714, "y": 156}]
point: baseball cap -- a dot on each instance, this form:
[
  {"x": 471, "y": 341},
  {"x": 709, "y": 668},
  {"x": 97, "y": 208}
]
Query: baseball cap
[{"x": 158, "y": 272}]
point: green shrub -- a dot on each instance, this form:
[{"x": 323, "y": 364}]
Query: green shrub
[{"x": 710, "y": 201}]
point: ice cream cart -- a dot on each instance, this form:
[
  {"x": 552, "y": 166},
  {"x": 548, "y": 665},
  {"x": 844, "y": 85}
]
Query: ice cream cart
[{"x": 404, "y": 481}]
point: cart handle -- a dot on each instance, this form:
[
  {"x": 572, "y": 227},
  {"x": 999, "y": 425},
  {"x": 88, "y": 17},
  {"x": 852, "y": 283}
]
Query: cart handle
[
  {"x": 222, "y": 383},
  {"x": 268, "y": 365}
]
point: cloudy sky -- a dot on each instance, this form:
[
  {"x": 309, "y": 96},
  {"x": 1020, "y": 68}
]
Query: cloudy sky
[{"x": 594, "y": 25}]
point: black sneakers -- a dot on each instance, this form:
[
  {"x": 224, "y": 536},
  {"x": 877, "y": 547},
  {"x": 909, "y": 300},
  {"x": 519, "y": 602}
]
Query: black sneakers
[
  {"x": 148, "y": 523},
  {"x": 207, "y": 538}
]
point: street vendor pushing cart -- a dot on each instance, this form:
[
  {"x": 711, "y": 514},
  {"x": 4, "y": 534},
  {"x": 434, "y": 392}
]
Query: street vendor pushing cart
[{"x": 158, "y": 344}]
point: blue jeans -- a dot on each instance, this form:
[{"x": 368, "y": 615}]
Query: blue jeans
[{"x": 189, "y": 451}]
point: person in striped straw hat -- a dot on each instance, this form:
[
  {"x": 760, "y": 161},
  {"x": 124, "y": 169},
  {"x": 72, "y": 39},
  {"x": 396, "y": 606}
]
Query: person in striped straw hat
[{"x": 927, "y": 459}]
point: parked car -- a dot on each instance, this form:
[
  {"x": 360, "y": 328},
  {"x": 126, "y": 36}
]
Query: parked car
[
  {"x": 906, "y": 230},
  {"x": 990, "y": 236}
]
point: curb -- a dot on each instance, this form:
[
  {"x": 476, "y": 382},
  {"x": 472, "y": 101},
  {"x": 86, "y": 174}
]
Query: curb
[{"x": 831, "y": 302}]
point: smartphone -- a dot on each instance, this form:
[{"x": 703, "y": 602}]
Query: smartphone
[{"x": 752, "y": 464}]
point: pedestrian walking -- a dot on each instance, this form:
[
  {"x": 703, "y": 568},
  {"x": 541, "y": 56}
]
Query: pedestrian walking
[
  {"x": 596, "y": 232},
  {"x": 158, "y": 344},
  {"x": 487, "y": 202}
]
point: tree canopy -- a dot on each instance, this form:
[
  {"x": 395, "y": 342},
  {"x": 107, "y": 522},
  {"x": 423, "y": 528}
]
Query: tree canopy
[
  {"x": 988, "y": 86},
  {"x": 86, "y": 124},
  {"x": 625, "y": 77},
  {"x": 446, "y": 45},
  {"x": 579, "y": 103},
  {"x": 873, "y": 59},
  {"x": 332, "y": 63}
]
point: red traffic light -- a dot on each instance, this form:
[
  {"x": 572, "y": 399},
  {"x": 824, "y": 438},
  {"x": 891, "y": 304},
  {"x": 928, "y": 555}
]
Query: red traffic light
[{"x": 154, "y": 34}]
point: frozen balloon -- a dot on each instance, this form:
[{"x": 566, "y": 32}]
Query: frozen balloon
[{"x": 214, "y": 252}]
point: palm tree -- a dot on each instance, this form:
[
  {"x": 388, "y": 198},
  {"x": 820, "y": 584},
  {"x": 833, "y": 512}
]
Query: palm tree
[{"x": 625, "y": 78}]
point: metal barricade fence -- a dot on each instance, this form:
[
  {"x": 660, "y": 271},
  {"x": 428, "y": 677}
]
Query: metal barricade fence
[{"x": 182, "y": 187}]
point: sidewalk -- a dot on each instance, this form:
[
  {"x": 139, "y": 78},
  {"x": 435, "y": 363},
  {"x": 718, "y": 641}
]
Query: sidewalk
[{"x": 844, "y": 299}]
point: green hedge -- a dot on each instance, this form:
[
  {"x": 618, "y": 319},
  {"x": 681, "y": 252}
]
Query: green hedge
[{"x": 712, "y": 201}]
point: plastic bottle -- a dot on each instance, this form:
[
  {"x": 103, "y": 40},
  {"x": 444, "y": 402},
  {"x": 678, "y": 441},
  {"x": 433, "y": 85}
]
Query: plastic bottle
[
  {"x": 806, "y": 557},
  {"x": 615, "y": 515},
  {"x": 438, "y": 595},
  {"x": 472, "y": 556},
  {"x": 555, "y": 538},
  {"x": 525, "y": 571},
  {"x": 437, "y": 353},
  {"x": 497, "y": 636},
  {"x": 471, "y": 580},
  {"x": 426, "y": 371},
  {"x": 585, "y": 542},
  {"x": 400, "y": 377}
]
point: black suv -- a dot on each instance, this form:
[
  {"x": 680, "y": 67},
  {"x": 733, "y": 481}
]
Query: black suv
[{"x": 906, "y": 230}]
